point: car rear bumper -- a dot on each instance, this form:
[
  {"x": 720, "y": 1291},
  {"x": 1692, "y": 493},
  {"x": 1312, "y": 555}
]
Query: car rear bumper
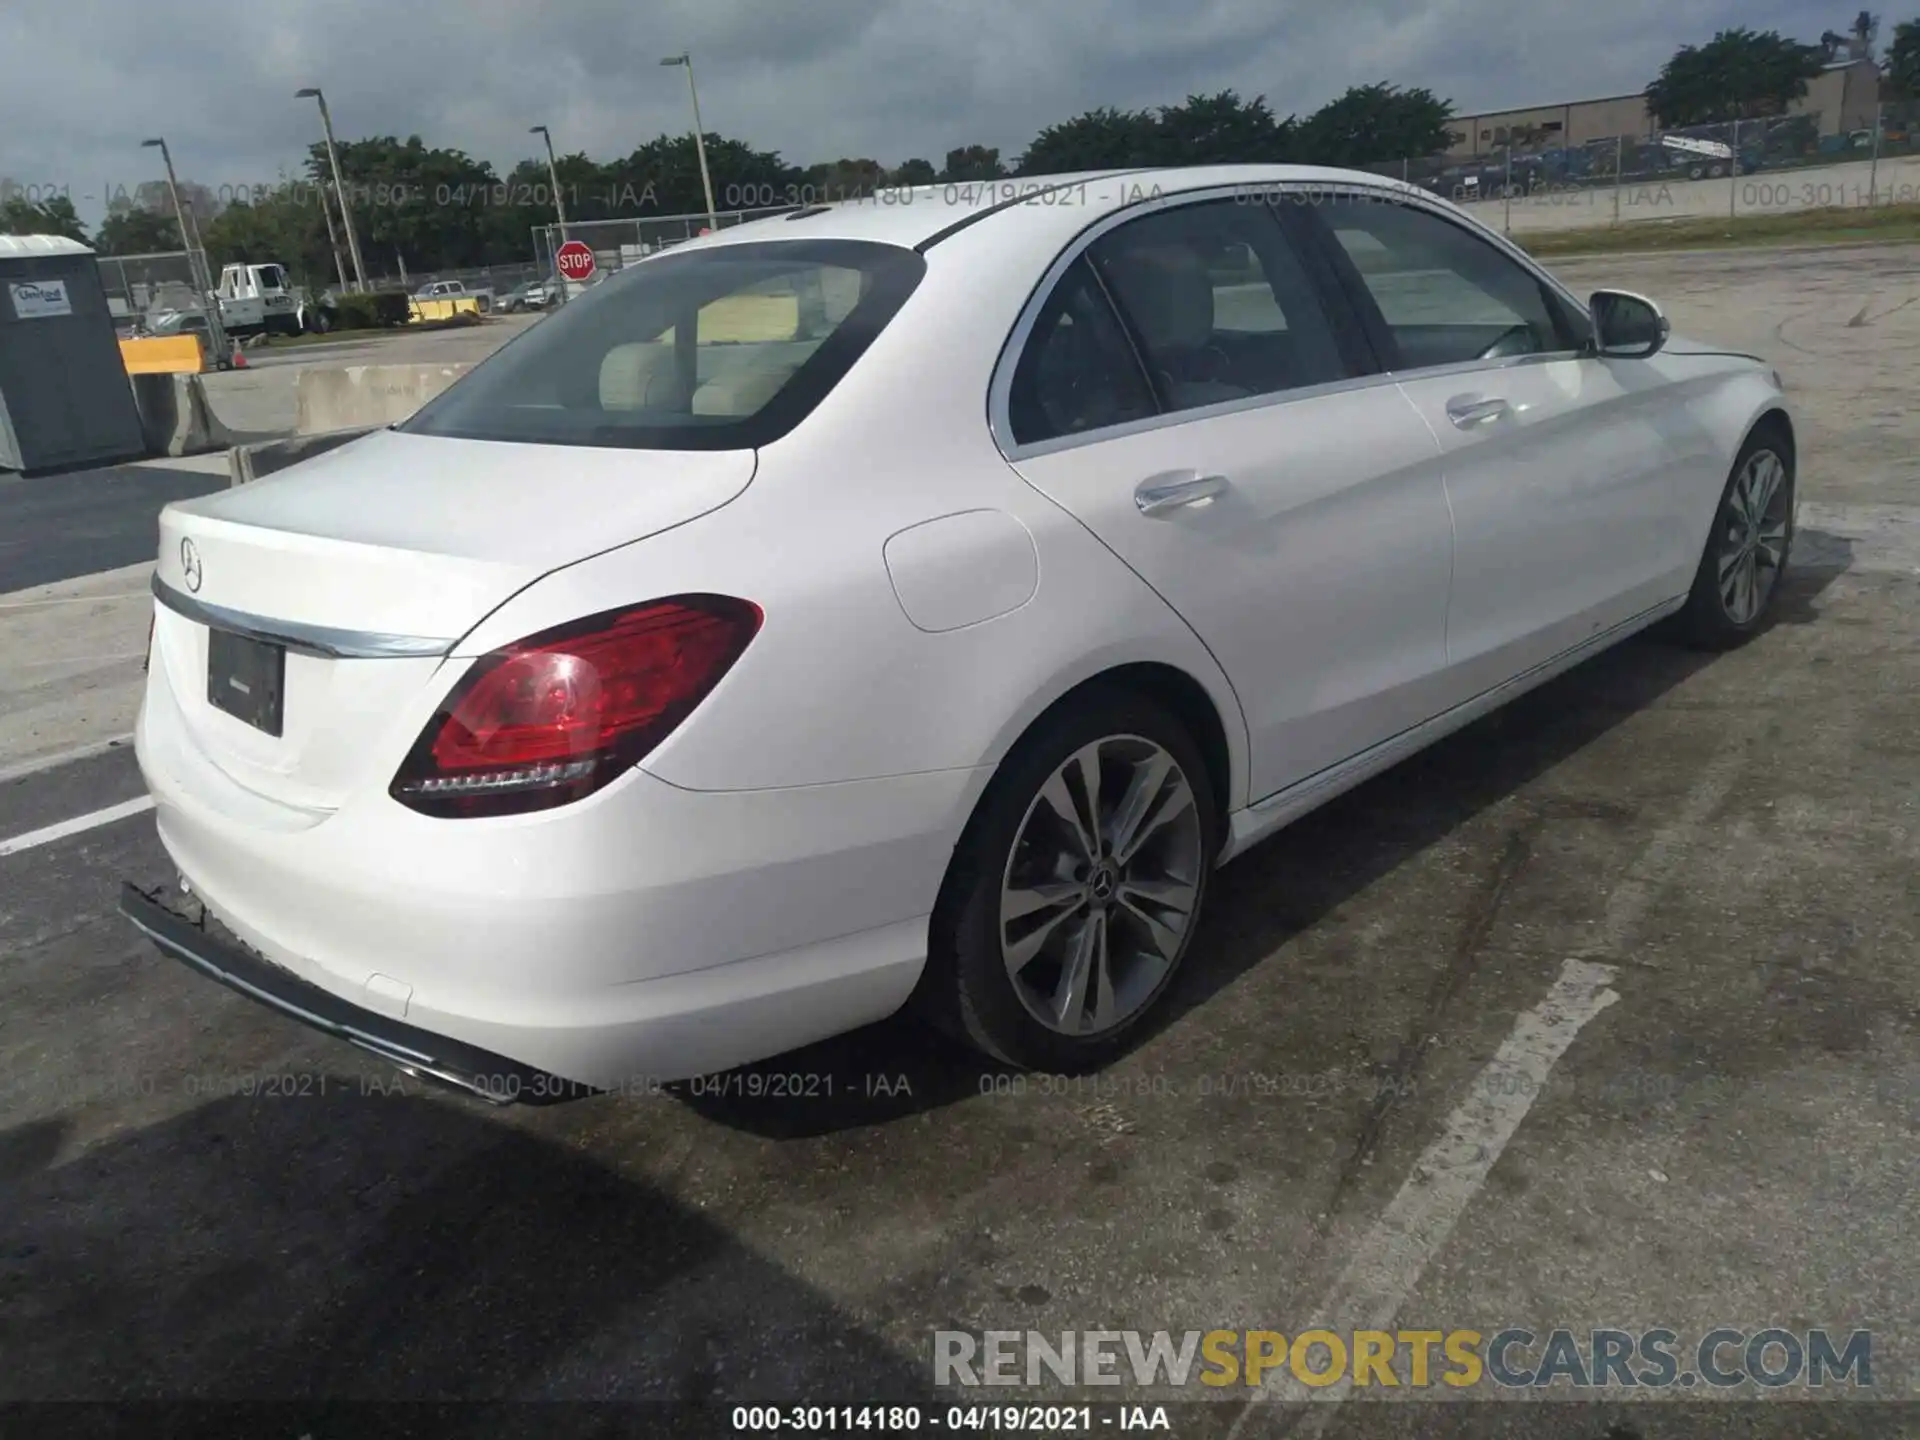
[
  {"x": 201, "y": 943},
  {"x": 644, "y": 934}
]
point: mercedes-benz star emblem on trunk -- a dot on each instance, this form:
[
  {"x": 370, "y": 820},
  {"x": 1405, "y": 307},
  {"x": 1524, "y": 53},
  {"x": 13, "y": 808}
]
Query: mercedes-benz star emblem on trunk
[{"x": 190, "y": 564}]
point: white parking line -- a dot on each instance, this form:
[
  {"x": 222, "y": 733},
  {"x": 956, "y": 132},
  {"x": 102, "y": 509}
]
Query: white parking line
[
  {"x": 1391, "y": 1259},
  {"x": 75, "y": 826},
  {"x": 1417, "y": 1222},
  {"x": 110, "y": 596},
  {"x": 63, "y": 757}
]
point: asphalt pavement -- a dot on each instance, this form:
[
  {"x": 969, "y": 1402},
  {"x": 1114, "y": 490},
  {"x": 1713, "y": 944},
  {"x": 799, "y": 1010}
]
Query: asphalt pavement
[{"x": 62, "y": 526}]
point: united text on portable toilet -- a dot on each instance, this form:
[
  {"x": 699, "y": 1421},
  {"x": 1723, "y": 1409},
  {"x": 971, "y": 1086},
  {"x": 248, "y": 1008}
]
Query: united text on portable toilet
[{"x": 64, "y": 395}]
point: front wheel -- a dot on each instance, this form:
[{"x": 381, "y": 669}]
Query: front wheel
[
  {"x": 1074, "y": 893},
  {"x": 1747, "y": 549}
]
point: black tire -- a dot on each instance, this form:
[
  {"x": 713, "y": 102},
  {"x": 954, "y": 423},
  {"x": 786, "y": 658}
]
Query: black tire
[
  {"x": 1707, "y": 621},
  {"x": 966, "y": 989}
]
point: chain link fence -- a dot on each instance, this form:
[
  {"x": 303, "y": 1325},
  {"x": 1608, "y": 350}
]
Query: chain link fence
[
  {"x": 616, "y": 243},
  {"x": 1769, "y": 166},
  {"x": 142, "y": 287}
]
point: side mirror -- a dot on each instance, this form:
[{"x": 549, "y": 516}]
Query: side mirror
[{"x": 1627, "y": 326}]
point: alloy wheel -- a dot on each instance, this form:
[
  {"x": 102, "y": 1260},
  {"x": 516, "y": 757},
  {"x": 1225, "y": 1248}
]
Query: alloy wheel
[
  {"x": 1101, "y": 886},
  {"x": 1753, "y": 531}
]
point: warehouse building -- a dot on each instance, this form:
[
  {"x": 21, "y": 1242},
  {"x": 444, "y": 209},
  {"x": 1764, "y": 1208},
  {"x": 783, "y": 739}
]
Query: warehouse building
[{"x": 1844, "y": 96}]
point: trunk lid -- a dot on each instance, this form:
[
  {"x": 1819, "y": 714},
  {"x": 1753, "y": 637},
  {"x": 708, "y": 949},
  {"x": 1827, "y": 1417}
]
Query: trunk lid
[{"x": 395, "y": 543}]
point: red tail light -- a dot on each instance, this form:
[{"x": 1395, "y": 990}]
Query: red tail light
[{"x": 554, "y": 717}]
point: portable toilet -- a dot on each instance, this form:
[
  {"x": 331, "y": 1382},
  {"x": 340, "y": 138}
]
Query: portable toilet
[{"x": 64, "y": 395}]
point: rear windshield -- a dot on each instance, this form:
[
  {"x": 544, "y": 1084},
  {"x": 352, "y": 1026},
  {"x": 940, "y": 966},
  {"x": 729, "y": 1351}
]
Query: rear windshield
[{"x": 702, "y": 349}]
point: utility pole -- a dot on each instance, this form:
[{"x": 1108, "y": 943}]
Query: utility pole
[
  {"x": 196, "y": 255},
  {"x": 553, "y": 174},
  {"x": 1733, "y": 173},
  {"x": 1619, "y": 160},
  {"x": 333, "y": 237},
  {"x": 339, "y": 186},
  {"x": 1506, "y": 187},
  {"x": 699, "y": 135}
]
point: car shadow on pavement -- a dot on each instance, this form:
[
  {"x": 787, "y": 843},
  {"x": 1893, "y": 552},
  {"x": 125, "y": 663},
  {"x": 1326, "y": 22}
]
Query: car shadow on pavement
[
  {"x": 1337, "y": 851},
  {"x": 366, "y": 1246},
  {"x": 900, "y": 1067}
]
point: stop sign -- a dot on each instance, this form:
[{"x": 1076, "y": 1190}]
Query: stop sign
[{"x": 575, "y": 260}]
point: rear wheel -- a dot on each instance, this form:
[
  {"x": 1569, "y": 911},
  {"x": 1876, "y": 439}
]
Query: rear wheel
[
  {"x": 1074, "y": 893},
  {"x": 1747, "y": 549}
]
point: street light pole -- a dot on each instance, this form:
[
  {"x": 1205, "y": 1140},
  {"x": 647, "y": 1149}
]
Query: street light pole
[
  {"x": 339, "y": 186},
  {"x": 553, "y": 174},
  {"x": 333, "y": 237},
  {"x": 699, "y": 135},
  {"x": 196, "y": 254}
]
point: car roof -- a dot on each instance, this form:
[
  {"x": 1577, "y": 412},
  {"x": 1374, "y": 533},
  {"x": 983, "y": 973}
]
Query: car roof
[{"x": 921, "y": 216}]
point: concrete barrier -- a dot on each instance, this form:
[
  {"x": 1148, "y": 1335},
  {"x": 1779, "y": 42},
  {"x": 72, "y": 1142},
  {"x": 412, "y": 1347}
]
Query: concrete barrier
[
  {"x": 164, "y": 355},
  {"x": 362, "y": 397},
  {"x": 175, "y": 418},
  {"x": 268, "y": 457}
]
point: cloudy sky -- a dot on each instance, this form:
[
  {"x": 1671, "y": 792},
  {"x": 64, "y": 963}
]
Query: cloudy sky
[{"x": 82, "y": 81}]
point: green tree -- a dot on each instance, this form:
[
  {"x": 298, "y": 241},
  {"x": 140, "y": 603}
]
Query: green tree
[
  {"x": 662, "y": 177},
  {"x": 1740, "y": 74},
  {"x": 972, "y": 162},
  {"x": 1103, "y": 139},
  {"x": 52, "y": 216},
  {"x": 842, "y": 180},
  {"x": 1374, "y": 123},
  {"x": 1903, "y": 61},
  {"x": 1220, "y": 129},
  {"x": 136, "y": 230},
  {"x": 914, "y": 172},
  {"x": 413, "y": 204}
]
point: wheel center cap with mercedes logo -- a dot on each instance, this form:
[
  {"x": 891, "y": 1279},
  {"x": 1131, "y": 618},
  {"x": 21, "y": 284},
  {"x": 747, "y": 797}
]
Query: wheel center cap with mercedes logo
[{"x": 190, "y": 565}]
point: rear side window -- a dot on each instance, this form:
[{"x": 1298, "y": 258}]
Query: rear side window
[
  {"x": 704, "y": 349},
  {"x": 1078, "y": 372},
  {"x": 1220, "y": 305}
]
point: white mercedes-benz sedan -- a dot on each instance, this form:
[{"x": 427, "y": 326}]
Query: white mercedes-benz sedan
[{"x": 911, "y": 600}]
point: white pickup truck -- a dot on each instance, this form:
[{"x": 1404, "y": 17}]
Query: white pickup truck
[{"x": 453, "y": 290}]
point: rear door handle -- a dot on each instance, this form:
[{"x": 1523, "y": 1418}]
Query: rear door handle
[
  {"x": 1466, "y": 411},
  {"x": 1161, "y": 493}
]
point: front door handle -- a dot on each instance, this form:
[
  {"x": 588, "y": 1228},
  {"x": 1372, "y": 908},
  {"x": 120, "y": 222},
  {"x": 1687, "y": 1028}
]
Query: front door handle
[
  {"x": 1162, "y": 493},
  {"x": 1466, "y": 411}
]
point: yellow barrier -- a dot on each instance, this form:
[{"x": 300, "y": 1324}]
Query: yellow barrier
[
  {"x": 163, "y": 355},
  {"x": 444, "y": 307}
]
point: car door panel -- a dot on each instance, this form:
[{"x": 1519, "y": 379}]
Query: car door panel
[
  {"x": 1564, "y": 507},
  {"x": 1251, "y": 465},
  {"x": 1563, "y": 470},
  {"x": 1317, "y": 576}
]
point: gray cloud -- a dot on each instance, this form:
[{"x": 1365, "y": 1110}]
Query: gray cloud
[{"x": 83, "y": 81}]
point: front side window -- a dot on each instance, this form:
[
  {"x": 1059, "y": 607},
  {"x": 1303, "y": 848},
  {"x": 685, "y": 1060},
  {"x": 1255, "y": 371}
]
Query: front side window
[
  {"x": 704, "y": 349},
  {"x": 1445, "y": 295}
]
